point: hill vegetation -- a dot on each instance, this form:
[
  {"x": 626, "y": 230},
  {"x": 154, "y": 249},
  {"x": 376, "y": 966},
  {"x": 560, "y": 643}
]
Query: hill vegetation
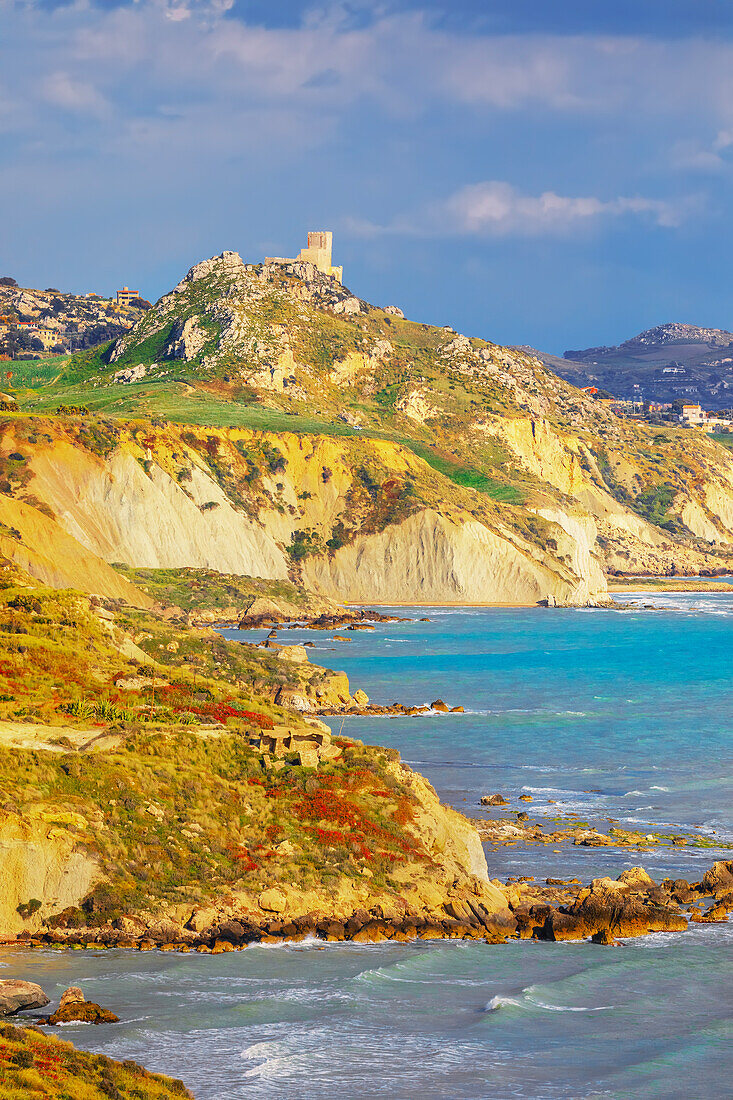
[{"x": 149, "y": 770}]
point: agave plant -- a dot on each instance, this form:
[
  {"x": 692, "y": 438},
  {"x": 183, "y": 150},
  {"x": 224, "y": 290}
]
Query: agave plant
[{"x": 79, "y": 708}]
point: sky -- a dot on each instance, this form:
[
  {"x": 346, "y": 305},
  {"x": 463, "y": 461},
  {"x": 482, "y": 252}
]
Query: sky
[{"x": 547, "y": 172}]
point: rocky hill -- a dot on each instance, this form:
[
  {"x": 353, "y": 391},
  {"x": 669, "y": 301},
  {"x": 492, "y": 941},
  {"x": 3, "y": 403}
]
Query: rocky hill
[
  {"x": 671, "y": 362},
  {"x": 37, "y": 323},
  {"x": 263, "y": 420}
]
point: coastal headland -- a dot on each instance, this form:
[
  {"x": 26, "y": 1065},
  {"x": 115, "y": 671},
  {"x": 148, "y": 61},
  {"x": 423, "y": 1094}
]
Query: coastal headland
[{"x": 165, "y": 788}]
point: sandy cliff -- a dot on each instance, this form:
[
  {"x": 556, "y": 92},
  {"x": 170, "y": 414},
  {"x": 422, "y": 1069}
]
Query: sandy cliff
[
  {"x": 430, "y": 559},
  {"x": 161, "y": 502},
  {"x": 43, "y": 868}
]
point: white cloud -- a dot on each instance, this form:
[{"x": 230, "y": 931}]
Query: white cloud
[
  {"x": 697, "y": 156},
  {"x": 161, "y": 96},
  {"x": 62, "y": 90},
  {"x": 723, "y": 140},
  {"x": 496, "y": 208},
  {"x": 401, "y": 61}
]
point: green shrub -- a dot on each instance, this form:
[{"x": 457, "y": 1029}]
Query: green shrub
[{"x": 28, "y": 908}]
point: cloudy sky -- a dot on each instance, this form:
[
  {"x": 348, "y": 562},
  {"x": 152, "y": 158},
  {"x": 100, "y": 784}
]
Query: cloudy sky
[{"x": 552, "y": 172}]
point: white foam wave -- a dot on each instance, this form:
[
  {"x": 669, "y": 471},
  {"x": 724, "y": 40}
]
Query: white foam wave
[
  {"x": 568, "y": 1008},
  {"x": 502, "y": 1002},
  {"x": 529, "y": 1001},
  {"x": 542, "y": 712}
]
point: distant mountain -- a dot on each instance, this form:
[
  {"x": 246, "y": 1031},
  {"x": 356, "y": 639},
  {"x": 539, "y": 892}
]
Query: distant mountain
[{"x": 672, "y": 362}]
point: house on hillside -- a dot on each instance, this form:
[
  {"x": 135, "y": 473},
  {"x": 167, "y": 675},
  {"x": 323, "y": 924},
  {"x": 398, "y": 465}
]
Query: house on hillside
[
  {"x": 125, "y": 296},
  {"x": 693, "y": 416}
]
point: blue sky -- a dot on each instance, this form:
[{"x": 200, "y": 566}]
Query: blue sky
[{"x": 552, "y": 172}]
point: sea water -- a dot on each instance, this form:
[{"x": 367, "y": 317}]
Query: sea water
[{"x": 623, "y": 715}]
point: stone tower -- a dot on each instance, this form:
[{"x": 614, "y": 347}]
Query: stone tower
[{"x": 318, "y": 252}]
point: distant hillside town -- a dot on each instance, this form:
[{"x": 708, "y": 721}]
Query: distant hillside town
[
  {"x": 670, "y": 363},
  {"x": 660, "y": 412},
  {"x": 35, "y": 324}
]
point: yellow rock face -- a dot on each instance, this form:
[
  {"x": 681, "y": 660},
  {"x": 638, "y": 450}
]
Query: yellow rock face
[
  {"x": 272, "y": 901},
  {"x": 40, "y": 863}
]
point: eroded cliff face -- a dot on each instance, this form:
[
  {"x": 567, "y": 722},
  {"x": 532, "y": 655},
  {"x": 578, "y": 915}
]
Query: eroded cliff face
[
  {"x": 429, "y": 558},
  {"x": 42, "y": 547},
  {"x": 123, "y": 512},
  {"x": 43, "y": 869},
  {"x": 360, "y": 520},
  {"x": 356, "y": 519},
  {"x": 364, "y": 520},
  {"x": 620, "y": 538}
]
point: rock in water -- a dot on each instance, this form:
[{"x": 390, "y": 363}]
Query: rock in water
[
  {"x": 16, "y": 995},
  {"x": 70, "y": 996},
  {"x": 636, "y": 878},
  {"x": 82, "y": 1012},
  {"x": 493, "y": 800},
  {"x": 718, "y": 878},
  {"x": 604, "y": 938}
]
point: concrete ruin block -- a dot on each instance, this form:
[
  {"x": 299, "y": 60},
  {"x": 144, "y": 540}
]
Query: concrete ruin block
[{"x": 308, "y": 758}]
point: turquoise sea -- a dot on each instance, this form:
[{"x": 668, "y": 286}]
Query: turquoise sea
[{"x": 611, "y": 714}]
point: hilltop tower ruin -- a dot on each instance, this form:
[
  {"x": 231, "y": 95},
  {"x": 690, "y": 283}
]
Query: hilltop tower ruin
[{"x": 317, "y": 252}]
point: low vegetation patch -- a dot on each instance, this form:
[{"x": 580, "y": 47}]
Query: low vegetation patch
[
  {"x": 470, "y": 478},
  {"x": 35, "y": 1065},
  {"x": 182, "y": 805},
  {"x": 207, "y": 590}
]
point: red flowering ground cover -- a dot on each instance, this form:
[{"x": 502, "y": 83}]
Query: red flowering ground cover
[
  {"x": 349, "y": 810},
  {"x": 221, "y": 711},
  {"x": 33, "y": 1065}
]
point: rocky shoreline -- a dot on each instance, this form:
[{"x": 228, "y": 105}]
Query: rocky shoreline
[
  {"x": 369, "y": 710},
  {"x": 357, "y": 618},
  {"x": 520, "y": 828},
  {"x": 561, "y": 909}
]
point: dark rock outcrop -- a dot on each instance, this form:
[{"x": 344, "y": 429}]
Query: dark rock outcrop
[{"x": 610, "y": 905}]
